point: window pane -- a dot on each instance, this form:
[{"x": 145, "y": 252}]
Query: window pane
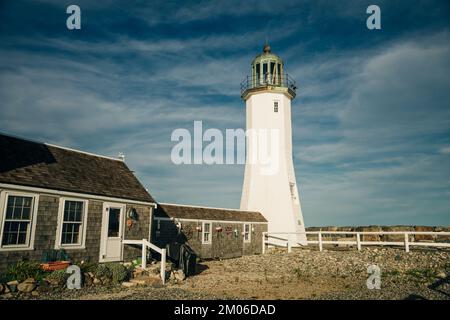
[
  {"x": 15, "y": 233},
  {"x": 70, "y": 233},
  {"x": 114, "y": 222},
  {"x": 73, "y": 211},
  {"x": 26, "y": 213}
]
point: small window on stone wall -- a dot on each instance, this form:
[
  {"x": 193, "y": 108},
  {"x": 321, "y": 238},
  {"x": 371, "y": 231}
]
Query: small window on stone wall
[
  {"x": 275, "y": 106},
  {"x": 247, "y": 233},
  {"x": 206, "y": 233}
]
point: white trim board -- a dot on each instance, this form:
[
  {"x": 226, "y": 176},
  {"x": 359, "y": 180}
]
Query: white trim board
[
  {"x": 72, "y": 194},
  {"x": 208, "y": 220}
]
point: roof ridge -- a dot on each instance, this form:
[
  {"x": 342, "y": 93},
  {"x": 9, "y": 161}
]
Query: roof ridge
[
  {"x": 83, "y": 152},
  {"x": 56, "y": 146},
  {"x": 204, "y": 207}
]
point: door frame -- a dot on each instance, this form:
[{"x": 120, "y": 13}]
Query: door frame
[{"x": 104, "y": 229}]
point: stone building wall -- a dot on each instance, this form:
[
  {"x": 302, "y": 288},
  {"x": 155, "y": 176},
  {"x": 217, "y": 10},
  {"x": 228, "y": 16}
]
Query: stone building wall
[
  {"x": 46, "y": 228},
  {"x": 224, "y": 244}
]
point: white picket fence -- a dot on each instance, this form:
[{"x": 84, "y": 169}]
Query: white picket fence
[
  {"x": 146, "y": 244},
  {"x": 288, "y": 242}
]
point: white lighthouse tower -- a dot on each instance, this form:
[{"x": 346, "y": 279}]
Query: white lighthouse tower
[{"x": 268, "y": 93}]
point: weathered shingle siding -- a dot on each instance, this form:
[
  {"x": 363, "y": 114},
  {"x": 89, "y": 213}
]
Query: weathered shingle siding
[
  {"x": 223, "y": 245},
  {"x": 140, "y": 230},
  {"x": 46, "y": 228}
]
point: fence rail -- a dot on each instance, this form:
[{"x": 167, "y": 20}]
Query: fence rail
[
  {"x": 147, "y": 244},
  {"x": 320, "y": 241}
]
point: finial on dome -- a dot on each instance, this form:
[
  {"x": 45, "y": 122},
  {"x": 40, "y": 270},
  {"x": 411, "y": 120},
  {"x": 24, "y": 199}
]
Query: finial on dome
[{"x": 266, "y": 48}]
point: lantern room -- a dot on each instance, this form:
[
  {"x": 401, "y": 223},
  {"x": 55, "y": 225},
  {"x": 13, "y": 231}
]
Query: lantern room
[{"x": 267, "y": 73}]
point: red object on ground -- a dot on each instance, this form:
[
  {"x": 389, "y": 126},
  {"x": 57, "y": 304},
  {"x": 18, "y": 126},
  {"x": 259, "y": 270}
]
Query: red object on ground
[{"x": 57, "y": 265}]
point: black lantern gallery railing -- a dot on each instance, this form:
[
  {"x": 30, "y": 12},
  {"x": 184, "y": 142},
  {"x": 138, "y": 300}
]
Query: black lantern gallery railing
[{"x": 253, "y": 82}]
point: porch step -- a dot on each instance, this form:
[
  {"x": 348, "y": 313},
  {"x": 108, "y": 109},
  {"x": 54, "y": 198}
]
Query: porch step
[{"x": 146, "y": 280}]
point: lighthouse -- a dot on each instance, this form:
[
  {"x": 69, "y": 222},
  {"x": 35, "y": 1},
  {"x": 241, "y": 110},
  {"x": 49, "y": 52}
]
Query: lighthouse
[{"x": 268, "y": 93}]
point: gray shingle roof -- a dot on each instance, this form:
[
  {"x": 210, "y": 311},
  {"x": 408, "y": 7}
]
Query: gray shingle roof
[
  {"x": 204, "y": 213},
  {"x": 34, "y": 164}
]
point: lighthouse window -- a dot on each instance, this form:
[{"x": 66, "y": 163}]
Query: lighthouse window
[
  {"x": 264, "y": 68},
  {"x": 258, "y": 71},
  {"x": 275, "y": 106}
]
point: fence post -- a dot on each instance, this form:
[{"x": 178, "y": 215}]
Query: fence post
[
  {"x": 358, "y": 241},
  {"x": 144, "y": 254},
  {"x": 163, "y": 266},
  {"x": 406, "y": 242},
  {"x": 320, "y": 241},
  {"x": 263, "y": 243}
]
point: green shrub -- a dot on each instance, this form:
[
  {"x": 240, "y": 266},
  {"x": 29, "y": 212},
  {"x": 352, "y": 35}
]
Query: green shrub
[
  {"x": 88, "y": 267},
  {"x": 102, "y": 271},
  {"x": 22, "y": 271},
  {"x": 118, "y": 272},
  {"x": 58, "y": 277}
]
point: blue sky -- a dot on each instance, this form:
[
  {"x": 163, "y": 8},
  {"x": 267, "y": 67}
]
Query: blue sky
[{"x": 371, "y": 122}]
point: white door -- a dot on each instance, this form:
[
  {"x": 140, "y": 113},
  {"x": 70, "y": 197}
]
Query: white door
[{"x": 112, "y": 232}]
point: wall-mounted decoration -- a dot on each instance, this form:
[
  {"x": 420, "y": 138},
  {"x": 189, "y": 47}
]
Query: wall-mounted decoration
[{"x": 132, "y": 216}]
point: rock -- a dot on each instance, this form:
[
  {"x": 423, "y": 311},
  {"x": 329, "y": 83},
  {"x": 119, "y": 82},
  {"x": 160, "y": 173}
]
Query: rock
[
  {"x": 35, "y": 293},
  {"x": 13, "y": 285},
  {"x": 2, "y": 288},
  {"x": 441, "y": 275},
  {"x": 140, "y": 281},
  {"x": 27, "y": 287},
  {"x": 6, "y": 289},
  {"x": 129, "y": 284},
  {"x": 43, "y": 286},
  {"x": 91, "y": 275},
  {"x": 96, "y": 281},
  {"x": 179, "y": 275},
  {"x": 422, "y": 237},
  {"x": 7, "y": 296}
]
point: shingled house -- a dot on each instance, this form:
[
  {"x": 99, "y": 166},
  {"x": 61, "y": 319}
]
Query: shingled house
[
  {"x": 59, "y": 199},
  {"x": 54, "y": 198},
  {"x": 211, "y": 232}
]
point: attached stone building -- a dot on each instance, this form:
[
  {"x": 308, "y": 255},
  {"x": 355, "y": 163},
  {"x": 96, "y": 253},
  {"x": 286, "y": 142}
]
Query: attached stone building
[
  {"x": 211, "y": 232},
  {"x": 54, "y": 198}
]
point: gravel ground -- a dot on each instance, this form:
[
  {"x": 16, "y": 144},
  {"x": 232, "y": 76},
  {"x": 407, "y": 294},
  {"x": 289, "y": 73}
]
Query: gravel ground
[{"x": 303, "y": 274}]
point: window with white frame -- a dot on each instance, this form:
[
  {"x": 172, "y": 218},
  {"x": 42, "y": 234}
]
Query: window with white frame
[
  {"x": 72, "y": 223},
  {"x": 247, "y": 233},
  {"x": 206, "y": 233},
  {"x": 17, "y": 221}
]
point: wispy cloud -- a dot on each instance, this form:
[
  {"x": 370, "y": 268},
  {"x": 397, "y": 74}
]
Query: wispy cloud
[{"x": 370, "y": 123}]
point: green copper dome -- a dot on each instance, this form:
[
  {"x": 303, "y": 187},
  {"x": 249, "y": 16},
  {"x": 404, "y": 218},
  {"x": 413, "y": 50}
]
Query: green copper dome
[{"x": 267, "y": 74}]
